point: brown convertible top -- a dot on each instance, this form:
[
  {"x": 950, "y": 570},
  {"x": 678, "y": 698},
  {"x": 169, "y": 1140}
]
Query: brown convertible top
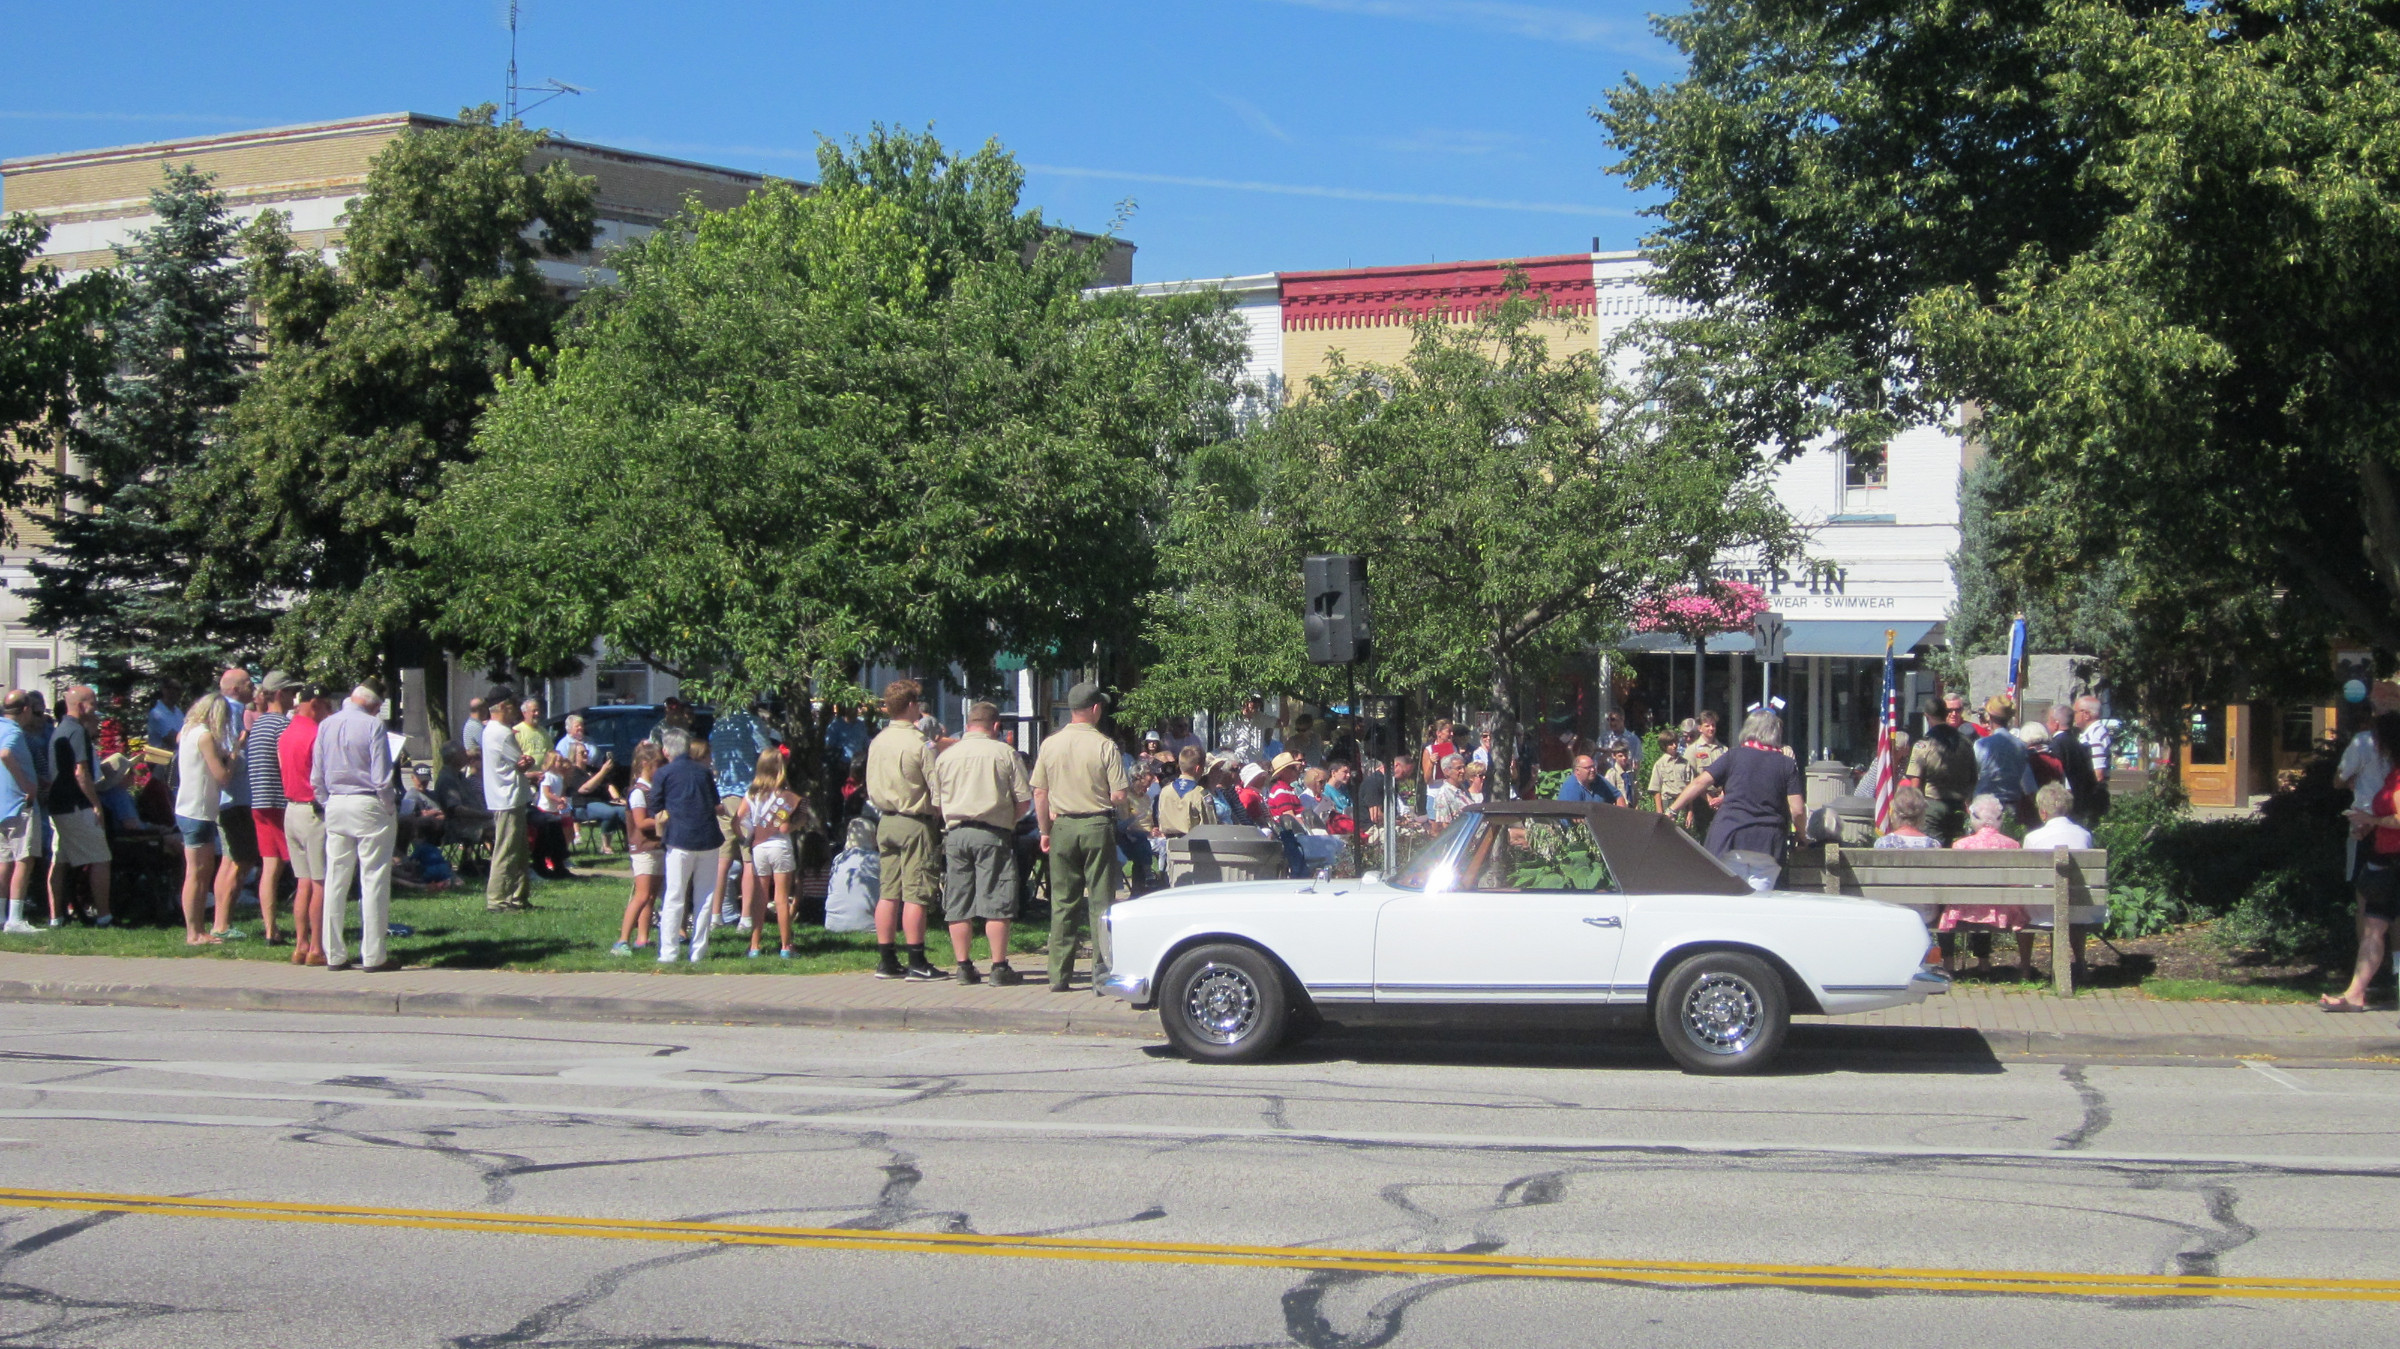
[{"x": 1648, "y": 853}]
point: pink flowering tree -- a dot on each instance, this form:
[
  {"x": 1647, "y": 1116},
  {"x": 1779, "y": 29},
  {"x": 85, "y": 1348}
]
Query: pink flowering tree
[
  {"x": 1699, "y": 613},
  {"x": 1724, "y": 606}
]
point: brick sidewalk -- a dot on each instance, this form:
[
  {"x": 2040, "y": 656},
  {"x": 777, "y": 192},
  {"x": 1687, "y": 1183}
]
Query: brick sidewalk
[{"x": 2107, "y": 1022}]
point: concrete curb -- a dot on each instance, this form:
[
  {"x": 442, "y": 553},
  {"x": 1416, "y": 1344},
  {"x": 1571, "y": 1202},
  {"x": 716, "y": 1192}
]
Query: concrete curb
[
  {"x": 363, "y": 999},
  {"x": 356, "y": 1000}
]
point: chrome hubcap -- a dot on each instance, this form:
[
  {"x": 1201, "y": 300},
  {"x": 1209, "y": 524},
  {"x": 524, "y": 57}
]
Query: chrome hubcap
[
  {"x": 1221, "y": 1004},
  {"x": 1722, "y": 1013}
]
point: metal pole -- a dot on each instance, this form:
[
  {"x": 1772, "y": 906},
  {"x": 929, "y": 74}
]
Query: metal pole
[
  {"x": 1391, "y": 788},
  {"x": 1358, "y": 837}
]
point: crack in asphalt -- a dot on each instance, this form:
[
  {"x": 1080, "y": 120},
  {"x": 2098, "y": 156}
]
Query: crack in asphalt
[{"x": 2096, "y": 1113}]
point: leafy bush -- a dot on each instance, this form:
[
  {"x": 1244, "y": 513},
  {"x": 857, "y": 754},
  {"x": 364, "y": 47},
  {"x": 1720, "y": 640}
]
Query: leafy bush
[
  {"x": 2290, "y": 913},
  {"x": 2140, "y": 910},
  {"x": 2273, "y": 882},
  {"x": 1547, "y": 784}
]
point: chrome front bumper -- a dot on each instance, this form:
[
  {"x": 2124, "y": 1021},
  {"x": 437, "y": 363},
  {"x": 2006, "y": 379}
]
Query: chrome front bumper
[
  {"x": 1929, "y": 980},
  {"x": 1132, "y": 988}
]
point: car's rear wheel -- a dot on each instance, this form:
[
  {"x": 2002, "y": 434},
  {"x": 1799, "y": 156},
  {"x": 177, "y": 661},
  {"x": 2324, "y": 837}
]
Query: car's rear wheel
[
  {"x": 1223, "y": 1004},
  {"x": 1723, "y": 1012}
]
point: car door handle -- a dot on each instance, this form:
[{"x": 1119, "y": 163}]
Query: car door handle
[{"x": 1611, "y": 921}]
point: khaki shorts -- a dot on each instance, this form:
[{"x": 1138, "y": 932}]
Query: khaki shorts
[
  {"x": 652, "y": 863},
  {"x": 980, "y": 878},
  {"x": 911, "y": 850},
  {"x": 81, "y": 840},
  {"x": 16, "y": 835},
  {"x": 304, "y": 831},
  {"x": 37, "y": 832}
]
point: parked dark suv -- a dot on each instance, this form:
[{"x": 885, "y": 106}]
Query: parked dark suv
[{"x": 617, "y": 727}]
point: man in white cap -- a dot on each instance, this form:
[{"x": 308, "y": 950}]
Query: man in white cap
[{"x": 1077, "y": 783}]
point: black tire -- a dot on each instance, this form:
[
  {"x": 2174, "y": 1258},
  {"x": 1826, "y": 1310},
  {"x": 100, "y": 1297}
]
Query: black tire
[
  {"x": 1302, "y": 1020},
  {"x": 1223, "y": 1004},
  {"x": 1723, "y": 1012}
]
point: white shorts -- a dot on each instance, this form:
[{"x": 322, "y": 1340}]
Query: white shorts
[
  {"x": 652, "y": 863},
  {"x": 16, "y": 838},
  {"x": 773, "y": 857}
]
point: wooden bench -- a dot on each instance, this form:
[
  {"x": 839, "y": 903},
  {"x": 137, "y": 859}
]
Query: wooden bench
[{"x": 2063, "y": 889}]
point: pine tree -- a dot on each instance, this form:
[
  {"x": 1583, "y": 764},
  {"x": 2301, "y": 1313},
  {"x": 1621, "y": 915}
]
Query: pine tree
[{"x": 117, "y": 579}]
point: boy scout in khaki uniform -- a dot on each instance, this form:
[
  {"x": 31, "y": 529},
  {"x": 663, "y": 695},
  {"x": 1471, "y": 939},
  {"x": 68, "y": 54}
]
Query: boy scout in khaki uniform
[
  {"x": 1077, "y": 783},
  {"x": 982, "y": 789},
  {"x": 908, "y": 837}
]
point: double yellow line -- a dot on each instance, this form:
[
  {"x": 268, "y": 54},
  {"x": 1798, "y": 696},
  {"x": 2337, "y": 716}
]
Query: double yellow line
[{"x": 1669, "y": 1273}]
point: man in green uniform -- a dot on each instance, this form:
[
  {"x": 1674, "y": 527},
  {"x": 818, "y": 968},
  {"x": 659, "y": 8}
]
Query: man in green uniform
[
  {"x": 908, "y": 836},
  {"x": 1077, "y": 783}
]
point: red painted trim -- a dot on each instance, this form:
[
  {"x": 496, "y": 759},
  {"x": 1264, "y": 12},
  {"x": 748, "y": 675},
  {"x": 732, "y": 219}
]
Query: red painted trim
[{"x": 1366, "y": 297}]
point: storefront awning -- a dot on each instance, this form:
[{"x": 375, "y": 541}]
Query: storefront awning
[{"x": 1802, "y": 637}]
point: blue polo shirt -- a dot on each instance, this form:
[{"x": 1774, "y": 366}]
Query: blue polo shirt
[
  {"x": 12, "y": 739},
  {"x": 1573, "y": 790}
]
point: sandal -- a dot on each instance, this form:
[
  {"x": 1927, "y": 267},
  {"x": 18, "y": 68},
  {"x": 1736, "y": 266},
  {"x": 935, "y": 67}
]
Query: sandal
[{"x": 2337, "y": 1005}]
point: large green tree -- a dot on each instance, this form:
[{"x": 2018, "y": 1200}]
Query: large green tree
[
  {"x": 117, "y": 576},
  {"x": 377, "y": 368},
  {"x": 52, "y": 362},
  {"x": 1513, "y": 502},
  {"x": 2149, "y": 244},
  {"x": 876, "y": 419}
]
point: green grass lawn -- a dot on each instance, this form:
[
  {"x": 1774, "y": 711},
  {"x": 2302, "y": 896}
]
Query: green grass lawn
[
  {"x": 571, "y": 927},
  {"x": 2215, "y": 990}
]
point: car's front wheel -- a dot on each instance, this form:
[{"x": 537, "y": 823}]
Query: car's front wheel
[
  {"x": 1223, "y": 1004},
  {"x": 1723, "y": 1012}
]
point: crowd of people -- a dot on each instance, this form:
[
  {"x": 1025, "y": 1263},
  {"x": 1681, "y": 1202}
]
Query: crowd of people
[{"x": 309, "y": 794}]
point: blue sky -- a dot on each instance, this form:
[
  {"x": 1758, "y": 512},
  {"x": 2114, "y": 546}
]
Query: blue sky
[{"x": 1251, "y": 135}]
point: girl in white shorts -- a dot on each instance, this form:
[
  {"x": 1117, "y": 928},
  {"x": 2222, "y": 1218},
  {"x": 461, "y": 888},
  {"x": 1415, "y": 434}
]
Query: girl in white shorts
[
  {"x": 648, "y": 857},
  {"x": 770, "y": 814}
]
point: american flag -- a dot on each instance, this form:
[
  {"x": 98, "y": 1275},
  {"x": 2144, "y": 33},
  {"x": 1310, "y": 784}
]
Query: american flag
[{"x": 1887, "y": 772}]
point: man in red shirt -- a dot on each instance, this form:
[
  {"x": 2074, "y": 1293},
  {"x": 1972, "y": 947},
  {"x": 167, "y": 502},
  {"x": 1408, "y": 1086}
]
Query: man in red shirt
[{"x": 304, "y": 823}]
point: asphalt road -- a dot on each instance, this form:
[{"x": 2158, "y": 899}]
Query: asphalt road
[{"x": 198, "y": 1178}]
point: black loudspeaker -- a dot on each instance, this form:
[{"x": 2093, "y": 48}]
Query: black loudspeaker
[{"x": 1336, "y": 614}]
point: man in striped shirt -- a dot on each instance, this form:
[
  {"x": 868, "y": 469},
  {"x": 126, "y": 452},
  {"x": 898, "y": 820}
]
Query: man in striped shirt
[{"x": 268, "y": 802}]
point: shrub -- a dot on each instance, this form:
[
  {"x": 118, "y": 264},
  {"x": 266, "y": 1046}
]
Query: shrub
[
  {"x": 2140, "y": 910},
  {"x": 2290, "y": 913}
]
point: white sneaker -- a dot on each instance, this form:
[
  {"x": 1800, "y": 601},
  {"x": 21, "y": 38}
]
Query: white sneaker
[
  {"x": 746, "y": 925},
  {"x": 58, "y": 922},
  {"x": 20, "y": 928},
  {"x": 666, "y": 955}
]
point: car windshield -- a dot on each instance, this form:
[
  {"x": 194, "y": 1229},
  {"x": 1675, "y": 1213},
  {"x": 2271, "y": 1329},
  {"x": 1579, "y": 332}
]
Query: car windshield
[{"x": 1431, "y": 851}]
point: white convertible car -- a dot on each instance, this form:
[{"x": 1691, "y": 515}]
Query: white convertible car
[{"x": 1520, "y": 904}]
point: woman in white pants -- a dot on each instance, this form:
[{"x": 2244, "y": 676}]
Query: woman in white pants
[{"x": 684, "y": 797}]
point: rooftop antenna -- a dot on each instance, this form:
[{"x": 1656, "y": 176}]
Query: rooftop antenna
[{"x": 549, "y": 89}]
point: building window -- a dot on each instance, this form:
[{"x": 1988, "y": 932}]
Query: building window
[
  {"x": 1865, "y": 475},
  {"x": 1865, "y": 470},
  {"x": 29, "y": 668},
  {"x": 622, "y": 684}
]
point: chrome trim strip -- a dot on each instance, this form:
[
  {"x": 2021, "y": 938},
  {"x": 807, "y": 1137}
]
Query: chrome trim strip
[
  {"x": 1512, "y": 988},
  {"x": 1866, "y": 988}
]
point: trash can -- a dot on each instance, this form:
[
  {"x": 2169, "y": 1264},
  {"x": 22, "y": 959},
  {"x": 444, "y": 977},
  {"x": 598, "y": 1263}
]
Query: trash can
[
  {"x": 1826, "y": 779},
  {"x": 1223, "y": 852}
]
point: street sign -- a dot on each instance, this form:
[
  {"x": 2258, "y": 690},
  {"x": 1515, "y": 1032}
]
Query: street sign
[{"x": 1766, "y": 635}]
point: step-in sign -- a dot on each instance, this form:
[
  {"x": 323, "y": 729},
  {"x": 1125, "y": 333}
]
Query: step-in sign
[{"x": 1767, "y": 632}]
